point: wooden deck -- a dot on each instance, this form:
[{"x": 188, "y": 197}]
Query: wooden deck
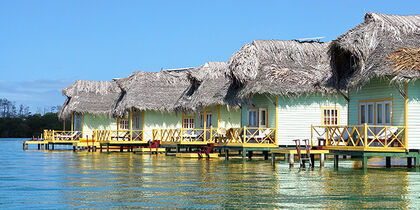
[
  {"x": 195, "y": 155},
  {"x": 294, "y": 151}
]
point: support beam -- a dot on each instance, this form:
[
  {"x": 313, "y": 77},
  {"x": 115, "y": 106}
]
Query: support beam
[
  {"x": 388, "y": 162},
  {"x": 322, "y": 160},
  {"x": 265, "y": 155},
  {"x": 336, "y": 161},
  {"x": 226, "y": 154},
  {"x": 291, "y": 160},
  {"x": 250, "y": 153},
  {"x": 364, "y": 161},
  {"x": 312, "y": 160},
  {"x": 273, "y": 158},
  {"x": 409, "y": 162}
]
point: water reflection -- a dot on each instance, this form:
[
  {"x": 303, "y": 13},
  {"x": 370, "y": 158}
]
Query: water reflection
[{"x": 124, "y": 180}]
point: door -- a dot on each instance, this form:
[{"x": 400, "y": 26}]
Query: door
[{"x": 262, "y": 117}]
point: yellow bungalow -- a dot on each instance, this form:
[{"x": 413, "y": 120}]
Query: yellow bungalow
[
  {"x": 379, "y": 79},
  {"x": 89, "y": 105},
  {"x": 147, "y": 101}
]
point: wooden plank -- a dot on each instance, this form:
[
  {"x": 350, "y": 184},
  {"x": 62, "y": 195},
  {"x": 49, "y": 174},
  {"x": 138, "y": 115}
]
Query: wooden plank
[
  {"x": 368, "y": 149},
  {"x": 248, "y": 145},
  {"x": 195, "y": 155},
  {"x": 293, "y": 151},
  {"x": 36, "y": 142},
  {"x": 146, "y": 150}
]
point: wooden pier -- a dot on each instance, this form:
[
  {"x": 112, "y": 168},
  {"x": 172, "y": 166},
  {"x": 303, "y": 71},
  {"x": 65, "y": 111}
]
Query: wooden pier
[
  {"x": 410, "y": 155},
  {"x": 290, "y": 154}
]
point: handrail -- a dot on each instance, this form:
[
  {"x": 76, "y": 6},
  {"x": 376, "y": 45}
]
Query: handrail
[
  {"x": 53, "y": 135},
  {"x": 117, "y": 135},
  {"x": 244, "y": 135},
  {"x": 362, "y": 136}
]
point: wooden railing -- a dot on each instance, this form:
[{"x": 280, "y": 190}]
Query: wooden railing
[
  {"x": 117, "y": 135},
  {"x": 53, "y": 135},
  {"x": 244, "y": 135},
  {"x": 359, "y": 136}
]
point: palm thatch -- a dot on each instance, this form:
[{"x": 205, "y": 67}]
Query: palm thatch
[
  {"x": 360, "y": 54},
  {"x": 209, "y": 85},
  {"x": 406, "y": 59},
  {"x": 279, "y": 67},
  {"x": 89, "y": 97},
  {"x": 157, "y": 91}
]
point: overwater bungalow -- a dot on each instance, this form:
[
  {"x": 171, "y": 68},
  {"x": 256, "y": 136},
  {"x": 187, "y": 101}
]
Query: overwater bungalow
[
  {"x": 376, "y": 64},
  {"x": 211, "y": 116},
  {"x": 88, "y": 105},
  {"x": 147, "y": 101},
  {"x": 284, "y": 84}
]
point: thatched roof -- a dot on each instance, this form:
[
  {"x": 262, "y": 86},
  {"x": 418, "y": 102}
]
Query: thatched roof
[
  {"x": 89, "y": 97},
  {"x": 360, "y": 54},
  {"x": 279, "y": 67},
  {"x": 151, "y": 91},
  {"x": 209, "y": 85},
  {"x": 407, "y": 59}
]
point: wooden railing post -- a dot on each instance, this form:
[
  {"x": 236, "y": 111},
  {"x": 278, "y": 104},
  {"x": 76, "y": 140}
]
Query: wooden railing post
[
  {"x": 365, "y": 139},
  {"x": 327, "y": 139},
  {"x": 53, "y": 136},
  {"x": 312, "y": 135},
  {"x": 182, "y": 134},
  {"x": 244, "y": 137}
]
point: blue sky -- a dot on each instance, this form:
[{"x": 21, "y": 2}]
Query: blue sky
[{"x": 46, "y": 45}]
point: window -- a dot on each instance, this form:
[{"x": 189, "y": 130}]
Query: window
[
  {"x": 330, "y": 116},
  {"x": 252, "y": 118},
  {"x": 257, "y": 117},
  {"x": 375, "y": 112},
  {"x": 136, "y": 121},
  {"x": 78, "y": 121},
  {"x": 188, "y": 123},
  {"x": 208, "y": 120},
  {"x": 123, "y": 124},
  {"x": 383, "y": 113}
]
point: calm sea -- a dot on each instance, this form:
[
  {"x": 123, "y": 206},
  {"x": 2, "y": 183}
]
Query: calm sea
[{"x": 66, "y": 179}]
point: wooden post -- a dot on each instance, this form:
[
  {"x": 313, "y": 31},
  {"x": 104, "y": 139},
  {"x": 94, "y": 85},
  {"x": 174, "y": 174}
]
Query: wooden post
[
  {"x": 243, "y": 153},
  {"x": 205, "y": 124},
  {"x": 409, "y": 162},
  {"x": 336, "y": 161},
  {"x": 273, "y": 158},
  {"x": 406, "y": 117},
  {"x": 226, "y": 154},
  {"x": 276, "y": 135},
  {"x": 322, "y": 160},
  {"x": 244, "y": 135},
  {"x": 23, "y": 146},
  {"x": 52, "y": 146},
  {"x": 250, "y": 153},
  {"x": 312, "y": 160},
  {"x": 131, "y": 124},
  {"x": 39, "y": 146},
  {"x": 291, "y": 159},
  {"x": 388, "y": 162},
  {"x": 265, "y": 155},
  {"x": 364, "y": 161},
  {"x": 365, "y": 132}
]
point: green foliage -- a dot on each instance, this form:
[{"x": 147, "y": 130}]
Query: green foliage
[
  {"x": 31, "y": 125},
  {"x": 18, "y": 122}
]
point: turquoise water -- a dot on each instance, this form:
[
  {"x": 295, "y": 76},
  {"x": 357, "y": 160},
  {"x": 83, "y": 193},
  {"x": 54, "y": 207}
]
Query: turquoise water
[{"x": 66, "y": 179}]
